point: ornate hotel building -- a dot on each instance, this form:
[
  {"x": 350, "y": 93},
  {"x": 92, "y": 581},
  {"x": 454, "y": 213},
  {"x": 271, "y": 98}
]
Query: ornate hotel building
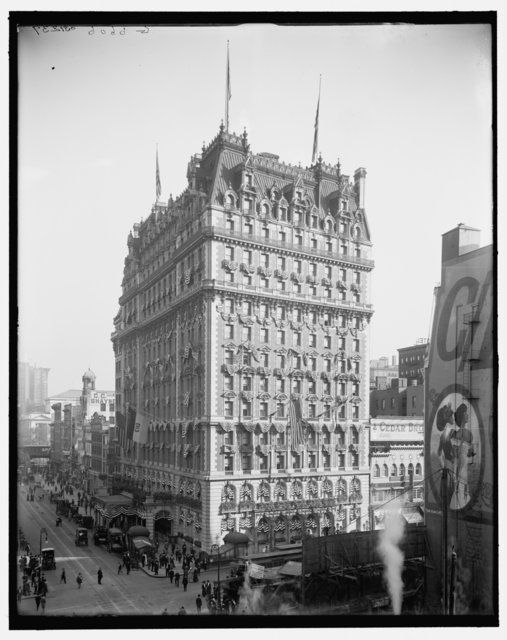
[{"x": 246, "y": 294}]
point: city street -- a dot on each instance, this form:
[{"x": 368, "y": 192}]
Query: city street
[{"x": 137, "y": 593}]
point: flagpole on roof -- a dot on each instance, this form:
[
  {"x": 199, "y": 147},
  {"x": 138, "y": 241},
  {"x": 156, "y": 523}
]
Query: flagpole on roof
[
  {"x": 158, "y": 186},
  {"x": 316, "y": 127},
  {"x": 228, "y": 94}
]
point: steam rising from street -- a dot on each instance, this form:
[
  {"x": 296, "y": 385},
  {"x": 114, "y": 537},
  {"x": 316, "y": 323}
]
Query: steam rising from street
[{"x": 391, "y": 554}]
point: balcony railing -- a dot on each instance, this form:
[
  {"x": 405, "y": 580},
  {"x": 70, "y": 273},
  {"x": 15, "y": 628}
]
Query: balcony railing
[{"x": 281, "y": 244}]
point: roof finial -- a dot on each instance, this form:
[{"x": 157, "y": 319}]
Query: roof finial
[{"x": 221, "y": 126}]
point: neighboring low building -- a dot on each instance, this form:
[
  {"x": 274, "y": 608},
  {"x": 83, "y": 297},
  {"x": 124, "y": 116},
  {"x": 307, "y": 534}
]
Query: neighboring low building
[
  {"x": 411, "y": 361},
  {"x": 397, "y": 467},
  {"x": 401, "y": 399}
]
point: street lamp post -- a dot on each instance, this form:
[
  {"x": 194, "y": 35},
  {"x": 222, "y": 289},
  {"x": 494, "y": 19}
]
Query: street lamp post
[
  {"x": 215, "y": 547},
  {"x": 42, "y": 531}
]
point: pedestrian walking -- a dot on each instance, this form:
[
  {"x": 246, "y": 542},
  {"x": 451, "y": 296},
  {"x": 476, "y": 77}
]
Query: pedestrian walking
[
  {"x": 127, "y": 567},
  {"x": 79, "y": 580},
  {"x": 198, "y": 604},
  {"x": 177, "y": 579},
  {"x": 185, "y": 582},
  {"x": 43, "y": 604},
  {"x": 37, "y": 602},
  {"x": 63, "y": 577},
  {"x": 19, "y": 593},
  {"x": 171, "y": 575},
  {"x": 120, "y": 567},
  {"x": 204, "y": 589},
  {"x": 99, "y": 576},
  {"x": 196, "y": 575}
]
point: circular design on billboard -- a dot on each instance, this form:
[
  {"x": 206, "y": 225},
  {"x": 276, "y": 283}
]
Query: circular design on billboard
[{"x": 456, "y": 444}]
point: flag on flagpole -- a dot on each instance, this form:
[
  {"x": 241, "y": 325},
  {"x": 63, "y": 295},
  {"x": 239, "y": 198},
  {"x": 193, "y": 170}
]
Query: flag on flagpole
[
  {"x": 316, "y": 132},
  {"x": 158, "y": 186},
  {"x": 228, "y": 93}
]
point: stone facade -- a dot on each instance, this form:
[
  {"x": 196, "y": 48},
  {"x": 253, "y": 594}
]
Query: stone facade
[{"x": 247, "y": 294}]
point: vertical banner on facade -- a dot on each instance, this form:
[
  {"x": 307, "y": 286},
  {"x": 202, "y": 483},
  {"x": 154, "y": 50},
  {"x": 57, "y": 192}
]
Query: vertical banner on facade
[
  {"x": 131, "y": 423},
  {"x": 121, "y": 424},
  {"x": 141, "y": 429}
]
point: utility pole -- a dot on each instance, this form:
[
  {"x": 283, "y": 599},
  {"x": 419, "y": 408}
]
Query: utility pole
[{"x": 443, "y": 494}]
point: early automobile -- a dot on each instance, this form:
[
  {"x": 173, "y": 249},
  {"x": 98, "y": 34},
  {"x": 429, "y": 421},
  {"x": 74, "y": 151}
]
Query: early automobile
[
  {"x": 48, "y": 559},
  {"x": 100, "y": 535},
  {"x": 115, "y": 540},
  {"x": 81, "y": 536}
]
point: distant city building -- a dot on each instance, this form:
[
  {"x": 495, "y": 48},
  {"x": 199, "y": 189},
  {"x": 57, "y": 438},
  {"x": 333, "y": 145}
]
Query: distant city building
[
  {"x": 32, "y": 388},
  {"x": 381, "y": 372},
  {"x": 461, "y": 432},
  {"x": 397, "y": 467},
  {"x": 35, "y": 429},
  {"x": 411, "y": 361},
  {"x": 241, "y": 344},
  {"x": 400, "y": 399}
]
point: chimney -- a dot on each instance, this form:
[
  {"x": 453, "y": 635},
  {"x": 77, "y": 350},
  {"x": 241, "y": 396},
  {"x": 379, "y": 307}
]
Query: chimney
[
  {"x": 458, "y": 241},
  {"x": 359, "y": 180}
]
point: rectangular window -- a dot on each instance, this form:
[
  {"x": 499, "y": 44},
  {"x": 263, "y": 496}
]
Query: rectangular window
[
  {"x": 247, "y": 383},
  {"x": 311, "y": 386},
  {"x": 280, "y": 410},
  {"x": 229, "y": 224},
  {"x": 327, "y": 342},
  {"x": 247, "y": 359},
  {"x": 263, "y": 383},
  {"x": 229, "y": 253},
  {"x": 265, "y": 283},
  {"x": 329, "y": 246},
  {"x": 297, "y": 338},
  {"x": 265, "y": 232},
  {"x": 247, "y": 256},
  {"x": 312, "y": 410},
  {"x": 280, "y": 285},
  {"x": 314, "y": 317},
  {"x": 228, "y": 462},
  {"x": 355, "y": 345},
  {"x": 263, "y": 410},
  {"x": 280, "y": 385},
  {"x": 228, "y": 382},
  {"x": 297, "y": 287},
  {"x": 280, "y": 461},
  {"x": 357, "y": 277},
  {"x": 247, "y": 278},
  {"x": 296, "y": 386},
  {"x": 246, "y": 334},
  {"x": 280, "y": 337},
  {"x": 343, "y": 248},
  {"x": 312, "y": 340},
  {"x": 265, "y": 359},
  {"x": 246, "y": 462},
  {"x": 281, "y": 263},
  {"x": 355, "y": 412},
  {"x": 228, "y": 409},
  {"x": 246, "y": 409},
  {"x": 229, "y": 332},
  {"x": 247, "y": 308},
  {"x": 299, "y": 242},
  {"x": 313, "y": 269},
  {"x": 248, "y": 228},
  {"x": 282, "y": 236},
  {"x": 313, "y": 290},
  {"x": 265, "y": 335},
  {"x": 229, "y": 305},
  {"x": 312, "y": 460},
  {"x": 297, "y": 266},
  {"x": 327, "y": 387}
]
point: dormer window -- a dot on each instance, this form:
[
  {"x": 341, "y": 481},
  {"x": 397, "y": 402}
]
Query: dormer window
[
  {"x": 229, "y": 201},
  {"x": 248, "y": 179},
  {"x": 345, "y": 205},
  {"x": 247, "y": 205}
]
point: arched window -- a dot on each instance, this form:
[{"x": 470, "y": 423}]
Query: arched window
[
  {"x": 376, "y": 471},
  {"x": 357, "y": 233},
  {"x": 265, "y": 209},
  {"x": 410, "y": 469},
  {"x": 402, "y": 469},
  {"x": 418, "y": 469},
  {"x": 329, "y": 226},
  {"x": 230, "y": 202},
  {"x": 394, "y": 470},
  {"x": 385, "y": 471}
]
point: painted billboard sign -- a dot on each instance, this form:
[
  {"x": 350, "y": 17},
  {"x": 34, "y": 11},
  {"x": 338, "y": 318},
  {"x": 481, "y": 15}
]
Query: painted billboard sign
[
  {"x": 459, "y": 426},
  {"x": 396, "y": 430}
]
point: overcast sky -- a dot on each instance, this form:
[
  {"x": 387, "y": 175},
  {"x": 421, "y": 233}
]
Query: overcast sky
[{"x": 411, "y": 104}]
